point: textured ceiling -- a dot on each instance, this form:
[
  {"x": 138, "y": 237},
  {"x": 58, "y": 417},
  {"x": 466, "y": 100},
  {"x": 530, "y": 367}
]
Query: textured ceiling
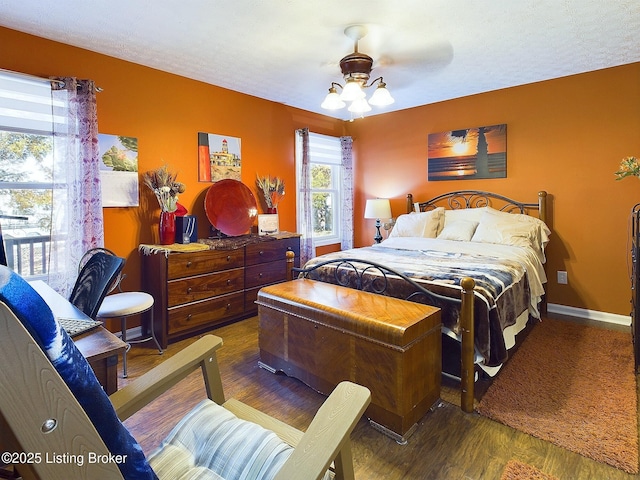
[{"x": 288, "y": 51}]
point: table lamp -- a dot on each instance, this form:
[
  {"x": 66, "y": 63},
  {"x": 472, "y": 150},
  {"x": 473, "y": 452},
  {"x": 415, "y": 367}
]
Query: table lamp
[{"x": 377, "y": 208}]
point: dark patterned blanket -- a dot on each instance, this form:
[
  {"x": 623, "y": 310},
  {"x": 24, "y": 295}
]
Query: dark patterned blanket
[{"x": 502, "y": 290}]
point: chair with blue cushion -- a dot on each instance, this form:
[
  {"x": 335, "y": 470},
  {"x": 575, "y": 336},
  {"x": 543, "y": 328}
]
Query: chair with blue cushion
[{"x": 51, "y": 403}]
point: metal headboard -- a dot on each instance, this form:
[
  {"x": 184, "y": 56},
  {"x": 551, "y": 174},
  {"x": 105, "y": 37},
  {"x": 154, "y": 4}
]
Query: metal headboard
[{"x": 477, "y": 198}]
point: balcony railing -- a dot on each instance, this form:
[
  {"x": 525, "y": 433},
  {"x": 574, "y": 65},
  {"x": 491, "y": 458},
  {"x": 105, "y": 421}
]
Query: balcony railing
[{"x": 28, "y": 255}]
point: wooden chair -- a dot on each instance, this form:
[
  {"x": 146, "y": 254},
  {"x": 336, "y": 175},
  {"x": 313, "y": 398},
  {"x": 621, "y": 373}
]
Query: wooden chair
[{"x": 40, "y": 416}]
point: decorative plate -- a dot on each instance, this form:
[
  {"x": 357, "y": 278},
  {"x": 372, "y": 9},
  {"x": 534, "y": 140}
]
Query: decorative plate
[{"x": 231, "y": 207}]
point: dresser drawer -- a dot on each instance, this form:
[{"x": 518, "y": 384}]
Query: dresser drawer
[
  {"x": 205, "y": 312},
  {"x": 264, "y": 252},
  {"x": 187, "y": 264},
  {"x": 191, "y": 289},
  {"x": 265, "y": 273}
]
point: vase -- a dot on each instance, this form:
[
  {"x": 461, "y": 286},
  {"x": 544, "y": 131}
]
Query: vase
[
  {"x": 167, "y": 228},
  {"x": 272, "y": 210}
]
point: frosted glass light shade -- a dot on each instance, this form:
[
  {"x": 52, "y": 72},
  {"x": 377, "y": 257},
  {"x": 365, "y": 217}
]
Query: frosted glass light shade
[
  {"x": 381, "y": 97},
  {"x": 377, "y": 208},
  {"x": 359, "y": 105},
  {"x": 332, "y": 101},
  {"x": 351, "y": 91}
]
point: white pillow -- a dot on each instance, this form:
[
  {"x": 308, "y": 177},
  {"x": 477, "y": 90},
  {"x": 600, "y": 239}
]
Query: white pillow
[
  {"x": 512, "y": 229},
  {"x": 470, "y": 214},
  {"x": 461, "y": 230},
  {"x": 424, "y": 224}
]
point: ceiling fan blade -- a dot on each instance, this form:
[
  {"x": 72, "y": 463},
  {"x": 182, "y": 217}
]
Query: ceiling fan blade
[{"x": 431, "y": 57}]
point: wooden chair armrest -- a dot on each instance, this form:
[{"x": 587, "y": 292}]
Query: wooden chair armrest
[
  {"x": 328, "y": 435},
  {"x": 161, "y": 378}
]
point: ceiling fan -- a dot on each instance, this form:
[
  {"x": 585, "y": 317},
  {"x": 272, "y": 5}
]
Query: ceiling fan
[{"x": 356, "y": 70}]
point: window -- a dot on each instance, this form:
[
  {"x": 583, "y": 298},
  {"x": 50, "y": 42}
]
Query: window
[
  {"x": 325, "y": 160},
  {"x": 26, "y": 171}
]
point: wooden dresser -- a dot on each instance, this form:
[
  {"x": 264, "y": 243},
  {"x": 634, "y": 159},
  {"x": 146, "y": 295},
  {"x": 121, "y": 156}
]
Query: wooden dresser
[{"x": 197, "y": 291}]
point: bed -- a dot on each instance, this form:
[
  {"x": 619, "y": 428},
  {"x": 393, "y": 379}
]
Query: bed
[{"x": 488, "y": 244}]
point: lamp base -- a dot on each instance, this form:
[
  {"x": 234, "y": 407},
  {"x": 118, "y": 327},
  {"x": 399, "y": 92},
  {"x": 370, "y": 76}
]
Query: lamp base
[{"x": 378, "y": 237}]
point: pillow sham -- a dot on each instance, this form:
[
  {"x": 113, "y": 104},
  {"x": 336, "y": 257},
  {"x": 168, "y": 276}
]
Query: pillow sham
[
  {"x": 512, "y": 229},
  {"x": 469, "y": 214},
  {"x": 423, "y": 224},
  {"x": 461, "y": 230}
]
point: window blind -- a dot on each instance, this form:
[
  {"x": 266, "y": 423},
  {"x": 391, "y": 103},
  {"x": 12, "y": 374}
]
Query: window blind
[
  {"x": 26, "y": 104},
  {"x": 324, "y": 149}
]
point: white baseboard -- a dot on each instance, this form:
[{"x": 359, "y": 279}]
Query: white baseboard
[{"x": 589, "y": 314}]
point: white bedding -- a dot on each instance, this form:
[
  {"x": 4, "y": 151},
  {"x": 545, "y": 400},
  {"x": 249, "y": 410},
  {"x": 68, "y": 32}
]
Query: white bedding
[
  {"x": 528, "y": 257},
  {"x": 523, "y": 255}
]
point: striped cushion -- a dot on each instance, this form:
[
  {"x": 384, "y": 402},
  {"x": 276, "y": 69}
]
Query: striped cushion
[{"x": 212, "y": 443}]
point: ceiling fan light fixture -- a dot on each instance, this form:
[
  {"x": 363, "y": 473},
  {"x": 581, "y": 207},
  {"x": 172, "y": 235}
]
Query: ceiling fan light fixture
[
  {"x": 332, "y": 101},
  {"x": 381, "y": 97},
  {"x": 356, "y": 69}
]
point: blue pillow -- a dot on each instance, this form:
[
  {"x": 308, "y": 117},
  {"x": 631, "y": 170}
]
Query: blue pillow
[{"x": 74, "y": 369}]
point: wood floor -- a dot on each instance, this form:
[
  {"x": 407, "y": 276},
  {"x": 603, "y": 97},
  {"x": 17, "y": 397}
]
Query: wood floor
[{"x": 448, "y": 444}]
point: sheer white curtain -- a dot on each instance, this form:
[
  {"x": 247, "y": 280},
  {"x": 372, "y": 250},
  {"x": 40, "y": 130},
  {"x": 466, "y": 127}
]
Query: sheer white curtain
[
  {"x": 307, "y": 250},
  {"x": 77, "y": 220},
  {"x": 346, "y": 144}
]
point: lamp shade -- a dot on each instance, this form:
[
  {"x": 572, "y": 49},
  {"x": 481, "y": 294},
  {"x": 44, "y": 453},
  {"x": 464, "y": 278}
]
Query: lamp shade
[
  {"x": 381, "y": 97},
  {"x": 332, "y": 101},
  {"x": 377, "y": 208},
  {"x": 359, "y": 105},
  {"x": 351, "y": 91}
]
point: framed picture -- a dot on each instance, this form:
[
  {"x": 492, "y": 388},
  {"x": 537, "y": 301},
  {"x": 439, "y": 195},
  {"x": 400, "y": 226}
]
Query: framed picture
[
  {"x": 218, "y": 157},
  {"x": 479, "y": 152},
  {"x": 118, "y": 170},
  {"x": 268, "y": 224}
]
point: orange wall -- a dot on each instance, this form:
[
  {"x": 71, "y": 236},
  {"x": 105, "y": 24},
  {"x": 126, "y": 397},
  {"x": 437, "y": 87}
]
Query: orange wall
[
  {"x": 166, "y": 112},
  {"x": 566, "y": 136}
]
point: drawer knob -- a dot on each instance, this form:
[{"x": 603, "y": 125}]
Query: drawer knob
[
  {"x": 228, "y": 258},
  {"x": 189, "y": 290},
  {"x": 228, "y": 282},
  {"x": 260, "y": 275},
  {"x": 228, "y": 307},
  {"x": 188, "y": 317},
  {"x": 188, "y": 264},
  {"x": 261, "y": 252}
]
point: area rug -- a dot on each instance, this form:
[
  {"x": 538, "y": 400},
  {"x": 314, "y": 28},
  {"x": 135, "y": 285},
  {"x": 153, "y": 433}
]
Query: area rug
[
  {"x": 517, "y": 470},
  {"x": 574, "y": 386}
]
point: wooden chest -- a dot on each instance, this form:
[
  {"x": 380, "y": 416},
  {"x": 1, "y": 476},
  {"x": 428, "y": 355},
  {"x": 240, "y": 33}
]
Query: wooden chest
[{"x": 323, "y": 334}]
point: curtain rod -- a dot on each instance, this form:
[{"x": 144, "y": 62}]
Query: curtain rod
[{"x": 35, "y": 77}]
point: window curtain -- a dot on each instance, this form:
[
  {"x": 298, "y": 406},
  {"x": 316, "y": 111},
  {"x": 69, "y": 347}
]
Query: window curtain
[
  {"x": 307, "y": 250},
  {"x": 346, "y": 144},
  {"x": 77, "y": 221}
]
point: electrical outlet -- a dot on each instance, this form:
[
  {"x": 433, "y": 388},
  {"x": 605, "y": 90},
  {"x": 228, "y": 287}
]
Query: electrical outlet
[{"x": 562, "y": 277}]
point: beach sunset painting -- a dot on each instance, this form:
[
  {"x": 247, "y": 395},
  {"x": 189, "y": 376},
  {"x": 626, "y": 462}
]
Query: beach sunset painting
[{"x": 468, "y": 153}]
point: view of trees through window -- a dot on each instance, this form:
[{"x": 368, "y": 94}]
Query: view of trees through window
[
  {"x": 25, "y": 192},
  {"x": 24, "y": 160},
  {"x": 321, "y": 179}
]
